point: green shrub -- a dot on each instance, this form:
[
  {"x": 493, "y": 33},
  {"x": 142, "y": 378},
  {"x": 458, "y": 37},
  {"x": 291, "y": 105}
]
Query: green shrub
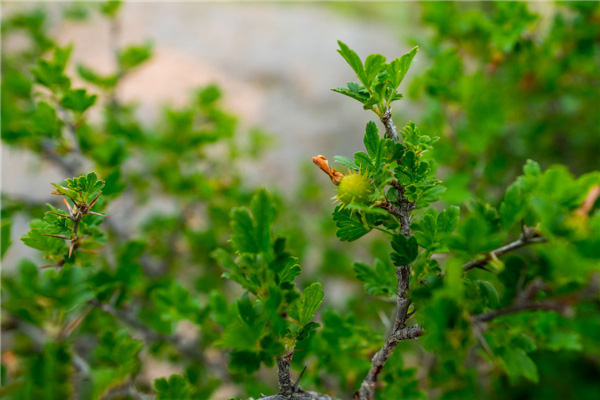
[{"x": 497, "y": 297}]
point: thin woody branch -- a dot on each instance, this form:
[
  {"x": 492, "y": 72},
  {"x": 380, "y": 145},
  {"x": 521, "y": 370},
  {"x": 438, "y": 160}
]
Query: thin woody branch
[
  {"x": 283, "y": 375},
  {"x": 398, "y": 333},
  {"x": 289, "y": 390},
  {"x": 400, "y": 209},
  {"x": 525, "y": 300},
  {"x": 390, "y": 128},
  {"x": 528, "y": 236},
  {"x": 76, "y": 213},
  {"x": 188, "y": 350}
]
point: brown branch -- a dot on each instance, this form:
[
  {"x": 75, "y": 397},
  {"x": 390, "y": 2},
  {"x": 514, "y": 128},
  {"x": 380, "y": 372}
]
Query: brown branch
[
  {"x": 289, "y": 390},
  {"x": 127, "y": 389},
  {"x": 283, "y": 375},
  {"x": 589, "y": 201},
  {"x": 186, "y": 349},
  {"x": 398, "y": 333},
  {"x": 528, "y": 236},
  {"x": 390, "y": 128},
  {"x": 298, "y": 396},
  {"x": 515, "y": 308},
  {"x": 400, "y": 209},
  {"x": 525, "y": 300}
]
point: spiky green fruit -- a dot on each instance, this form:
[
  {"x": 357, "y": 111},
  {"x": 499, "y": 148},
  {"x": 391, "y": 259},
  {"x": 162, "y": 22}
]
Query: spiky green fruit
[{"x": 355, "y": 188}]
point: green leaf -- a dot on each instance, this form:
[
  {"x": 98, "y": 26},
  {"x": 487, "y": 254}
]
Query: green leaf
[
  {"x": 66, "y": 191},
  {"x": 264, "y": 213},
  {"x": 531, "y": 168},
  {"x": 82, "y": 187},
  {"x": 118, "y": 349},
  {"x": 305, "y": 332},
  {"x": 110, "y": 8},
  {"x": 346, "y": 162},
  {"x": 366, "y": 210},
  {"x": 354, "y": 61},
  {"x": 475, "y": 235},
  {"x": 290, "y": 271},
  {"x": 247, "y": 313},
  {"x": 373, "y": 66},
  {"x": 432, "y": 194},
  {"x": 363, "y": 161},
  {"x": 362, "y": 97},
  {"x": 363, "y": 272},
  {"x": 78, "y": 100},
  {"x": 103, "y": 81},
  {"x": 489, "y": 293},
  {"x": 45, "y": 122},
  {"x": 247, "y": 361},
  {"x": 241, "y": 336},
  {"x": 379, "y": 281},
  {"x": 174, "y": 302},
  {"x": 569, "y": 341},
  {"x": 518, "y": 364},
  {"x": 243, "y": 238},
  {"x": 305, "y": 308},
  {"x": 447, "y": 220},
  {"x": 524, "y": 342},
  {"x": 349, "y": 225},
  {"x": 399, "y": 67},
  {"x": 406, "y": 250},
  {"x": 51, "y": 73},
  {"x": 134, "y": 56},
  {"x": 176, "y": 387},
  {"x": 209, "y": 95},
  {"x": 511, "y": 209},
  {"x": 426, "y": 231},
  {"x": 371, "y": 139}
]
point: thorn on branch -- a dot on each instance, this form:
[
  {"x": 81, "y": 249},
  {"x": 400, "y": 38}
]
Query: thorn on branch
[
  {"x": 298, "y": 380},
  {"x": 77, "y": 212},
  {"x": 56, "y": 236}
]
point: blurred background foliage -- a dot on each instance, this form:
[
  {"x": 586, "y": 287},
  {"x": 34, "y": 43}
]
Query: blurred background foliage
[
  {"x": 499, "y": 82},
  {"x": 507, "y": 84}
]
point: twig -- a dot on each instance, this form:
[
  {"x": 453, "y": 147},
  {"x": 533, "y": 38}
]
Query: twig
[
  {"x": 400, "y": 209},
  {"x": 287, "y": 390},
  {"x": 525, "y": 300},
  {"x": 514, "y": 308},
  {"x": 187, "y": 350},
  {"x": 398, "y": 333},
  {"x": 390, "y": 128},
  {"x": 283, "y": 375},
  {"x": 528, "y": 236},
  {"x": 589, "y": 201},
  {"x": 128, "y": 389}
]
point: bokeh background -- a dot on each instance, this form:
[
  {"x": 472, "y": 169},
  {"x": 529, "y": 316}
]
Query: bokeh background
[{"x": 275, "y": 63}]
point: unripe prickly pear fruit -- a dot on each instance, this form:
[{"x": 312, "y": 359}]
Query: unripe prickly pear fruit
[{"x": 355, "y": 188}]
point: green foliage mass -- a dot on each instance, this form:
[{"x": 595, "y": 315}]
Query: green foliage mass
[
  {"x": 506, "y": 84},
  {"x": 493, "y": 272}
]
